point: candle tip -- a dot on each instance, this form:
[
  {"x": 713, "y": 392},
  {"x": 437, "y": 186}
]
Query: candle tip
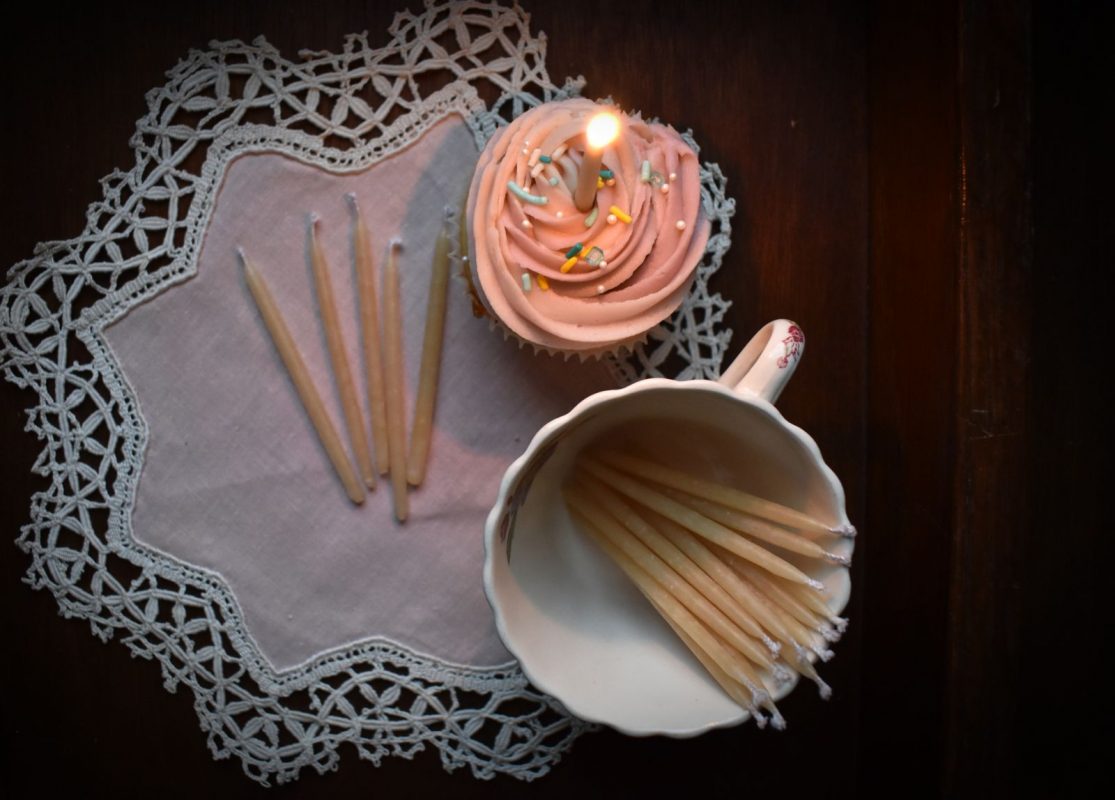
[
  {"x": 312, "y": 219},
  {"x": 396, "y": 243},
  {"x": 836, "y": 558},
  {"x": 350, "y": 197},
  {"x": 823, "y": 689}
]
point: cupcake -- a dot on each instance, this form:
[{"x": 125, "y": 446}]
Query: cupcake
[{"x": 568, "y": 271}]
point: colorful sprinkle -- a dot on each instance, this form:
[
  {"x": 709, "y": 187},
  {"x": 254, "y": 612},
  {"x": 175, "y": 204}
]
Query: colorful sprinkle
[
  {"x": 543, "y": 284},
  {"x": 526, "y": 281},
  {"x": 535, "y": 153},
  {"x": 664, "y": 188},
  {"x": 620, "y": 214},
  {"x": 554, "y": 181},
  {"x": 610, "y": 182},
  {"x": 526, "y": 196},
  {"x": 560, "y": 214},
  {"x": 612, "y": 219},
  {"x": 680, "y": 224},
  {"x": 657, "y": 179},
  {"x": 568, "y": 265},
  {"x": 673, "y": 176},
  {"x": 644, "y": 173},
  {"x": 574, "y": 250},
  {"x": 600, "y": 288},
  {"x": 602, "y": 265},
  {"x": 526, "y": 223},
  {"x": 599, "y": 183},
  {"x": 545, "y": 159},
  {"x": 607, "y": 173},
  {"x": 590, "y": 220},
  {"x": 594, "y": 257}
]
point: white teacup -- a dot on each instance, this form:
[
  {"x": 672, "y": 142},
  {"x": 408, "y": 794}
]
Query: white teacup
[{"x": 581, "y": 631}]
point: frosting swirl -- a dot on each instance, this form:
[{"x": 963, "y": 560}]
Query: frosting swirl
[{"x": 633, "y": 267}]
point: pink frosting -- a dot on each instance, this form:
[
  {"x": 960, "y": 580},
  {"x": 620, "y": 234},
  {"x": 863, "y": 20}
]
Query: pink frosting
[{"x": 649, "y": 261}]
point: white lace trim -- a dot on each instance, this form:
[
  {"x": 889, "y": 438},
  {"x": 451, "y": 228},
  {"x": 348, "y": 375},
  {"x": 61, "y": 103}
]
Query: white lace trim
[{"x": 341, "y": 111}]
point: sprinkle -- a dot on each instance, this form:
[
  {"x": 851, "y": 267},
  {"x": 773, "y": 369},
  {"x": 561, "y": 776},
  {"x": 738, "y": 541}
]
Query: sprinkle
[
  {"x": 536, "y": 170},
  {"x": 612, "y": 219},
  {"x": 673, "y": 176},
  {"x": 620, "y": 214},
  {"x": 600, "y": 288},
  {"x": 657, "y": 178},
  {"x": 602, "y": 264},
  {"x": 610, "y": 182},
  {"x": 560, "y": 150},
  {"x": 526, "y": 196},
  {"x": 545, "y": 159},
  {"x": 574, "y": 250},
  {"x": 525, "y": 151},
  {"x": 665, "y": 188},
  {"x": 543, "y": 284},
  {"x": 526, "y": 281},
  {"x": 534, "y": 157},
  {"x": 599, "y": 183},
  {"x": 568, "y": 265},
  {"x": 644, "y": 174},
  {"x": 560, "y": 214},
  {"x": 594, "y": 256},
  {"x": 554, "y": 181},
  {"x": 590, "y": 220},
  {"x": 607, "y": 173},
  {"x": 526, "y": 224},
  {"x": 680, "y": 224}
]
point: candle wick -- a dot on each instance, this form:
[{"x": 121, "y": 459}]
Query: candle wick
[
  {"x": 352, "y": 204},
  {"x": 243, "y": 256}
]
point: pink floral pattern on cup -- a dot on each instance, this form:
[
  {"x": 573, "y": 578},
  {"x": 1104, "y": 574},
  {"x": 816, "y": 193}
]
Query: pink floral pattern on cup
[{"x": 793, "y": 344}]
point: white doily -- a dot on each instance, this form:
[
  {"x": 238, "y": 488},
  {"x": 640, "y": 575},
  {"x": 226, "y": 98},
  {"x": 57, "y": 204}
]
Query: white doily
[{"x": 143, "y": 237}]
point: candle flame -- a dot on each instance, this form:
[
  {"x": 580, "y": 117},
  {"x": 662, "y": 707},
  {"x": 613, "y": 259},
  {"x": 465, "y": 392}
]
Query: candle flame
[{"x": 603, "y": 128}]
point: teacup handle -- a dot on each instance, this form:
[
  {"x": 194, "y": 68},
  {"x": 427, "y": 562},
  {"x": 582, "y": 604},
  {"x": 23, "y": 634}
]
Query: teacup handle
[{"x": 767, "y": 362}]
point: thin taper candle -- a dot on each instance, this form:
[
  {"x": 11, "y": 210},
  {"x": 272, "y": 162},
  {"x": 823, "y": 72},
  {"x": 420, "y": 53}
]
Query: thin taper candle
[
  {"x": 369, "y": 325},
  {"x": 601, "y": 131},
  {"x": 431, "y": 363},
  {"x": 303, "y": 383},
  {"x": 342, "y": 374},
  {"x": 394, "y": 375}
]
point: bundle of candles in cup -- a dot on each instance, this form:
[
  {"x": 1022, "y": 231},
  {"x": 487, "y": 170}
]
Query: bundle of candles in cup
[
  {"x": 383, "y": 364},
  {"x": 699, "y": 551}
]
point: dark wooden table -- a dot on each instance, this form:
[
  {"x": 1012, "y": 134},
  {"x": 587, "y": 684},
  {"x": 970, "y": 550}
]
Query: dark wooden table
[{"x": 914, "y": 188}]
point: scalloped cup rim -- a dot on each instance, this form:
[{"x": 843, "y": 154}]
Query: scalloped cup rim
[{"x": 536, "y": 443}]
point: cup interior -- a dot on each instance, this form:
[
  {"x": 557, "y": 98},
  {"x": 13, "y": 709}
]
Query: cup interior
[{"x": 581, "y": 630}]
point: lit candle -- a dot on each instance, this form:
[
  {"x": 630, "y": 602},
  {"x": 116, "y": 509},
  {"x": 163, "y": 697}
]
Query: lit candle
[
  {"x": 369, "y": 321},
  {"x": 395, "y": 376},
  {"x": 302, "y": 381},
  {"x": 602, "y": 130},
  {"x": 327, "y": 305},
  {"x": 431, "y": 363}
]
